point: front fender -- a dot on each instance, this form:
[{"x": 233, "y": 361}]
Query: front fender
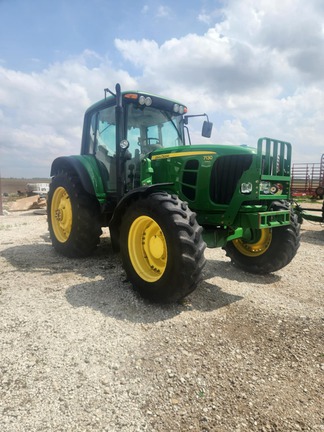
[
  {"x": 87, "y": 170},
  {"x": 133, "y": 195}
]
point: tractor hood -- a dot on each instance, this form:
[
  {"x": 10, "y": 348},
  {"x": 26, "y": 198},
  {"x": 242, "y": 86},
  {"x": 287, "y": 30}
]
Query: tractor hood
[{"x": 202, "y": 150}]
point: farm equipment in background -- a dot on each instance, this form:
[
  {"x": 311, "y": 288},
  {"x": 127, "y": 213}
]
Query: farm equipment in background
[
  {"x": 307, "y": 213},
  {"x": 40, "y": 189},
  {"x": 307, "y": 179},
  {"x": 164, "y": 199}
]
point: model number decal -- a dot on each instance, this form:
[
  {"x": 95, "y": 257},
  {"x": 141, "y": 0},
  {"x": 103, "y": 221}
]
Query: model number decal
[{"x": 208, "y": 158}]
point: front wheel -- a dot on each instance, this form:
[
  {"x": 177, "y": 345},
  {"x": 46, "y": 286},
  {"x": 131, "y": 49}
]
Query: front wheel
[
  {"x": 267, "y": 250},
  {"x": 73, "y": 217},
  {"x": 161, "y": 247}
]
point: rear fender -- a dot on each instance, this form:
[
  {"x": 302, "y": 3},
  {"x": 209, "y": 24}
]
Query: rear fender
[{"x": 87, "y": 170}]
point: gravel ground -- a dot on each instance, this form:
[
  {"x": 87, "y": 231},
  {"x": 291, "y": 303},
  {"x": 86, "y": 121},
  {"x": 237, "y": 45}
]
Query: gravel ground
[{"x": 81, "y": 352}]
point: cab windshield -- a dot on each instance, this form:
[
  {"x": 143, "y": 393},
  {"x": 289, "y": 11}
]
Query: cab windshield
[{"x": 149, "y": 128}]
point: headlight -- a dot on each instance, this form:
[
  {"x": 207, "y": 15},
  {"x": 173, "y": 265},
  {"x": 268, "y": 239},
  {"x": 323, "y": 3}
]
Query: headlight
[
  {"x": 265, "y": 187},
  {"x": 271, "y": 188},
  {"x": 246, "y": 188}
]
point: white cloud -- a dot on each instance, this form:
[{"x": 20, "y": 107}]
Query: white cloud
[
  {"x": 163, "y": 11},
  {"x": 136, "y": 52},
  {"x": 42, "y": 113},
  {"x": 233, "y": 131},
  {"x": 261, "y": 64},
  {"x": 203, "y": 17},
  {"x": 256, "y": 72}
]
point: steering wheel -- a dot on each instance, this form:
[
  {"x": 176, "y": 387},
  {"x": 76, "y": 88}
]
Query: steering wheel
[{"x": 151, "y": 144}]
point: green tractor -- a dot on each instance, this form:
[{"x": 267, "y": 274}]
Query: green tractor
[{"x": 164, "y": 199}]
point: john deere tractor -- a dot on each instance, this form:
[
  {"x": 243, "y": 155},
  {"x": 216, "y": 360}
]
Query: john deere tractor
[{"x": 165, "y": 199}]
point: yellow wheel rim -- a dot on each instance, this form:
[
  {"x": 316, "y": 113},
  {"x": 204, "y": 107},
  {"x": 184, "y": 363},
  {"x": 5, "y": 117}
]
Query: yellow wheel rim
[
  {"x": 61, "y": 214},
  {"x": 257, "y": 246},
  {"x": 147, "y": 249}
]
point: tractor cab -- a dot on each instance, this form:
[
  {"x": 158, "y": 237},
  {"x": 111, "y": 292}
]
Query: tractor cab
[{"x": 122, "y": 135}]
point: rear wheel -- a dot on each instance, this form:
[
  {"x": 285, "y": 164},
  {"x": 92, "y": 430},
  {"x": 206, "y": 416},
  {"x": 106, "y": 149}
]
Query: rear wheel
[
  {"x": 73, "y": 217},
  {"x": 266, "y": 250},
  {"x": 162, "y": 247}
]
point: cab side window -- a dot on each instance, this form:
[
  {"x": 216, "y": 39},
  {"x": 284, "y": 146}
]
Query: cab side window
[
  {"x": 103, "y": 127},
  {"x": 103, "y": 142}
]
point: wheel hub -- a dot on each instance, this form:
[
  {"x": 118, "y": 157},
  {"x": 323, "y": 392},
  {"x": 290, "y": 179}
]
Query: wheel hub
[
  {"x": 61, "y": 214},
  {"x": 156, "y": 246},
  {"x": 58, "y": 215},
  {"x": 147, "y": 248},
  {"x": 257, "y": 245}
]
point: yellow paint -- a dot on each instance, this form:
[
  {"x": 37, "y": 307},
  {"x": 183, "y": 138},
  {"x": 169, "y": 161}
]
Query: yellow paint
[
  {"x": 147, "y": 249},
  {"x": 181, "y": 154},
  {"x": 257, "y": 248},
  {"x": 61, "y": 214}
]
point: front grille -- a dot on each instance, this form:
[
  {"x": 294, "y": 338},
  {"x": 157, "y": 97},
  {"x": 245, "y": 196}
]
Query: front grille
[{"x": 226, "y": 172}]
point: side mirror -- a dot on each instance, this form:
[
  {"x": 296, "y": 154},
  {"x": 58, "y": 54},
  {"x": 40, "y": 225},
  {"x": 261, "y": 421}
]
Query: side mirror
[{"x": 207, "y": 129}]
